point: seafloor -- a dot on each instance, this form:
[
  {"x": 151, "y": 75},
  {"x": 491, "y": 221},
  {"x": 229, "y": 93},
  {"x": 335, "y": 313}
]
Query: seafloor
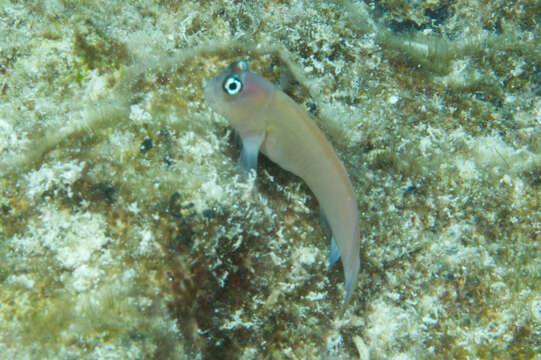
[{"x": 127, "y": 231}]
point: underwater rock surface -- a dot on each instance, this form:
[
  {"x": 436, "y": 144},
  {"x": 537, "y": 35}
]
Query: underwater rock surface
[{"x": 127, "y": 231}]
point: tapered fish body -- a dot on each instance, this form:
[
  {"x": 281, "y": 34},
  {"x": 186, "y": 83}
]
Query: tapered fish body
[{"x": 271, "y": 122}]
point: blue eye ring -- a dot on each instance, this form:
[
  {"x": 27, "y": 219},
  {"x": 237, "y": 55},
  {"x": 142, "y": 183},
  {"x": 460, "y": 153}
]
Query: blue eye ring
[{"x": 232, "y": 85}]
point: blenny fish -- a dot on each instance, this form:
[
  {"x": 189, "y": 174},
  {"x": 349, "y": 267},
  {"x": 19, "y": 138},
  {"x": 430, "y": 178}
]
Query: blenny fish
[{"x": 269, "y": 121}]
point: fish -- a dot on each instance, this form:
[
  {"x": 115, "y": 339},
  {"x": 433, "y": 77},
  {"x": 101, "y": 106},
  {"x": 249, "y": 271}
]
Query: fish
[{"x": 269, "y": 121}]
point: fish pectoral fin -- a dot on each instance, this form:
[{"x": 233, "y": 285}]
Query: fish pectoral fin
[
  {"x": 335, "y": 253},
  {"x": 250, "y": 150}
]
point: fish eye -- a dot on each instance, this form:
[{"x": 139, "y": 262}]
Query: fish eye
[{"x": 232, "y": 85}]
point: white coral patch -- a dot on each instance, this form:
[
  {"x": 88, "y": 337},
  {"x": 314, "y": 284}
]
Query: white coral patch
[
  {"x": 306, "y": 255},
  {"x": 8, "y": 138},
  {"x": 22, "y": 279},
  {"x": 147, "y": 244},
  {"x": 73, "y": 238},
  {"x": 386, "y": 324},
  {"x": 493, "y": 152},
  {"x": 139, "y": 115},
  {"x": 467, "y": 169},
  {"x": 85, "y": 277},
  {"x": 55, "y": 176}
]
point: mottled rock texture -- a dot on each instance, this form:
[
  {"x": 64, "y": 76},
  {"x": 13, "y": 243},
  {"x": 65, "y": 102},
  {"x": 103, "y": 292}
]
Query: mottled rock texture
[{"x": 127, "y": 231}]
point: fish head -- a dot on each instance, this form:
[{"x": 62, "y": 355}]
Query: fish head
[{"x": 241, "y": 96}]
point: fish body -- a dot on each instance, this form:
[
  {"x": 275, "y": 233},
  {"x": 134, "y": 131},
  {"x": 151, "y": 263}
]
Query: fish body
[{"x": 269, "y": 121}]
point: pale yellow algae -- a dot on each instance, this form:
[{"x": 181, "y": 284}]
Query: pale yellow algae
[{"x": 126, "y": 230}]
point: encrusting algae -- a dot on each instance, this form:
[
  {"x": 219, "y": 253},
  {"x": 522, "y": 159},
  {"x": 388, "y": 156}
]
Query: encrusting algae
[{"x": 127, "y": 230}]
